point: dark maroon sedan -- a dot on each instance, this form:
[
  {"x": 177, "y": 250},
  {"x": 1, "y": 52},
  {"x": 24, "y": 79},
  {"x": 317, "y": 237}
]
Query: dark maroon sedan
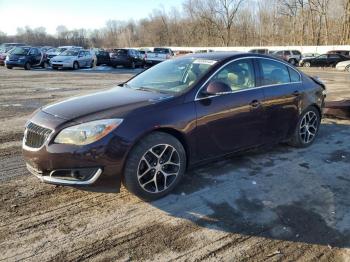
[{"x": 149, "y": 130}]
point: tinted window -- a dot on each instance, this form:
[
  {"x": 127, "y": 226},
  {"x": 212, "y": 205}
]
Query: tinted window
[
  {"x": 333, "y": 56},
  {"x": 296, "y": 52},
  {"x": 274, "y": 72},
  {"x": 322, "y": 57},
  {"x": 238, "y": 75},
  {"x": 286, "y": 52},
  {"x": 294, "y": 75}
]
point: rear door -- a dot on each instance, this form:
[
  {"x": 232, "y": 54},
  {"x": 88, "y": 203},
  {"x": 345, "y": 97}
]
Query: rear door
[
  {"x": 281, "y": 85},
  {"x": 231, "y": 121}
]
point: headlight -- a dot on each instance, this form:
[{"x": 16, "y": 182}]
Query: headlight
[{"x": 87, "y": 133}]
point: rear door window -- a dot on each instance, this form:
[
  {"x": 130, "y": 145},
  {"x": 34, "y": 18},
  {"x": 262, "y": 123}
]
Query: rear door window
[{"x": 273, "y": 72}]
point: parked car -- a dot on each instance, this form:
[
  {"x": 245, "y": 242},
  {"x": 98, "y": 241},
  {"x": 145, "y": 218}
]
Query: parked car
[
  {"x": 340, "y": 52},
  {"x": 25, "y": 57},
  {"x": 343, "y": 66},
  {"x": 56, "y": 51},
  {"x": 259, "y": 51},
  {"x": 102, "y": 57},
  {"x": 126, "y": 57},
  {"x": 158, "y": 55},
  {"x": 291, "y": 56},
  {"x": 5, "y": 49},
  {"x": 324, "y": 60},
  {"x": 73, "y": 58},
  {"x": 179, "y": 113}
]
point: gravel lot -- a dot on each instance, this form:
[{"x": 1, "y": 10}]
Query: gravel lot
[{"x": 274, "y": 204}]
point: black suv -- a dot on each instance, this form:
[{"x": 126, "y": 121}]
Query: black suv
[
  {"x": 126, "y": 57},
  {"x": 102, "y": 56},
  {"x": 26, "y": 57}
]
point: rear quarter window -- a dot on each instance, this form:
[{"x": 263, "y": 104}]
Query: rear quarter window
[{"x": 294, "y": 75}]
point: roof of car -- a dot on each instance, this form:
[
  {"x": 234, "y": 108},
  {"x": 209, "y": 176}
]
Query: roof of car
[
  {"x": 219, "y": 56},
  {"x": 216, "y": 55}
]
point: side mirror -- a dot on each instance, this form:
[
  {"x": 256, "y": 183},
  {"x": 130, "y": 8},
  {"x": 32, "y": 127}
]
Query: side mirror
[{"x": 217, "y": 87}]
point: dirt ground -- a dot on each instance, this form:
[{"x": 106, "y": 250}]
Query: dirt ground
[{"x": 275, "y": 204}]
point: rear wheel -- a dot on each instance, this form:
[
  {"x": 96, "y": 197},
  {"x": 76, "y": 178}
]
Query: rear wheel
[
  {"x": 293, "y": 61},
  {"x": 155, "y": 166},
  {"x": 27, "y": 66},
  {"x": 9, "y": 67},
  {"x": 306, "y": 64},
  {"x": 45, "y": 65},
  {"x": 307, "y": 128}
]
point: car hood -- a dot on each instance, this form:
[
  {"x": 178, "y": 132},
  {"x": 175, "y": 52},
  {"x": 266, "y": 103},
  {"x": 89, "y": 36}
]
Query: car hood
[
  {"x": 14, "y": 57},
  {"x": 116, "y": 102}
]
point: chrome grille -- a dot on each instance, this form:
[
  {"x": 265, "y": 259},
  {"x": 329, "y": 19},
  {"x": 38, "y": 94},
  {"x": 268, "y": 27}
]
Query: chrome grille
[{"x": 35, "y": 136}]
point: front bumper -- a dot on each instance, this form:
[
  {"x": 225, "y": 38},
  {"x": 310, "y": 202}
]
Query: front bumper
[
  {"x": 14, "y": 63},
  {"x": 71, "y": 180},
  {"x": 62, "y": 64},
  {"x": 64, "y": 164}
]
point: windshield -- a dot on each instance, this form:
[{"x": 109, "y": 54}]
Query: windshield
[
  {"x": 171, "y": 76},
  {"x": 20, "y": 51},
  {"x": 69, "y": 53}
]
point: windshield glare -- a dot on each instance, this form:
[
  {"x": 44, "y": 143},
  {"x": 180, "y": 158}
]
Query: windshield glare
[
  {"x": 69, "y": 53},
  {"x": 20, "y": 51},
  {"x": 172, "y": 76}
]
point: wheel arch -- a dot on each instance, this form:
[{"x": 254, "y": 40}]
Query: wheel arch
[{"x": 171, "y": 131}]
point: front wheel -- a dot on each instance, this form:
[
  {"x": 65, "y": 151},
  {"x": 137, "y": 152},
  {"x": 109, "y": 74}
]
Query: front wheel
[
  {"x": 306, "y": 64},
  {"x": 27, "y": 66},
  {"x": 9, "y": 67},
  {"x": 307, "y": 128},
  {"x": 347, "y": 68},
  {"x": 155, "y": 166},
  {"x": 75, "y": 66}
]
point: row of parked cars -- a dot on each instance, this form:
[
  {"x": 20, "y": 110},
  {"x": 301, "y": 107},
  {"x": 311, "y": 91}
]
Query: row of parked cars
[
  {"x": 335, "y": 58},
  {"x": 75, "y": 57}
]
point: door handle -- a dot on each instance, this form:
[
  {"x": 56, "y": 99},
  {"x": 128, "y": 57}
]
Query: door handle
[
  {"x": 255, "y": 104},
  {"x": 296, "y": 93}
]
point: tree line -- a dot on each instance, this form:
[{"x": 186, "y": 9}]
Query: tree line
[{"x": 212, "y": 23}]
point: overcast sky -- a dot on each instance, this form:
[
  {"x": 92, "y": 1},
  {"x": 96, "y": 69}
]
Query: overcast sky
[{"x": 74, "y": 13}]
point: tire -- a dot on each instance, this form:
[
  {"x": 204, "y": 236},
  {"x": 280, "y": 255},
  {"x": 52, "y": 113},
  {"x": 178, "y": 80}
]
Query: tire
[
  {"x": 293, "y": 61},
  {"x": 92, "y": 64},
  {"x": 27, "y": 66},
  {"x": 347, "y": 68},
  {"x": 305, "y": 136},
  {"x": 144, "y": 173},
  {"x": 306, "y": 64},
  {"x": 75, "y": 65},
  {"x": 9, "y": 67},
  {"x": 45, "y": 65}
]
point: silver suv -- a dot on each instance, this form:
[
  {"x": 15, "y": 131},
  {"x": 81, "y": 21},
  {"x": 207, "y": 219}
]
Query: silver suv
[{"x": 291, "y": 56}]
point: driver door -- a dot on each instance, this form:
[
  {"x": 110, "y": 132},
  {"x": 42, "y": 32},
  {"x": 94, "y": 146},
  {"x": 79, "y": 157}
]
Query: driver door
[{"x": 231, "y": 121}]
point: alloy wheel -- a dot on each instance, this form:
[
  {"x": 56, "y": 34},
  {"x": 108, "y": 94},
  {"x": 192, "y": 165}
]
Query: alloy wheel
[
  {"x": 308, "y": 127},
  {"x": 158, "y": 168}
]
